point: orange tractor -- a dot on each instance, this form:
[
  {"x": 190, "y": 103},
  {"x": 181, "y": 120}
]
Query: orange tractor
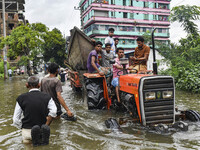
[{"x": 148, "y": 98}]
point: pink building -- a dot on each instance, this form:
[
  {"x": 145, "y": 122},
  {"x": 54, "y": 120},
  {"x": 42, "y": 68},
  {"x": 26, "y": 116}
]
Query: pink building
[{"x": 129, "y": 18}]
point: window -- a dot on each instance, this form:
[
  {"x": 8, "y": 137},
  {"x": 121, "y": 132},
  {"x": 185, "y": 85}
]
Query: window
[
  {"x": 144, "y": 29},
  {"x": 131, "y": 15},
  {"x": 95, "y": 27},
  {"x": 112, "y": 2},
  {"x": 20, "y": 16},
  {"x": 102, "y": 27},
  {"x": 163, "y": 6},
  {"x": 154, "y": 17},
  {"x": 163, "y": 18},
  {"x": 149, "y": 29},
  {"x": 11, "y": 15},
  {"x": 155, "y": 5},
  {"x": 146, "y": 4},
  {"x": 107, "y": 27},
  {"x": 11, "y": 26},
  {"x": 159, "y": 30},
  {"x": 112, "y": 14},
  {"x": 138, "y": 29},
  {"x": 130, "y": 2},
  {"x": 124, "y": 15},
  {"x": 124, "y": 2},
  {"x": 146, "y": 16}
]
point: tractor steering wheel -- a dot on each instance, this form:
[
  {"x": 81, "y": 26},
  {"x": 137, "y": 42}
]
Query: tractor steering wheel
[
  {"x": 119, "y": 72},
  {"x": 135, "y": 71}
]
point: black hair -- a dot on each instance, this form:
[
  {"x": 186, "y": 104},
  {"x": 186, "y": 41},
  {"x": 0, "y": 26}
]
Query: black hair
[
  {"x": 98, "y": 43},
  {"x": 120, "y": 48},
  {"x": 116, "y": 39},
  {"x": 33, "y": 81},
  {"x": 52, "y": 68},
  {"x": 107, "y": 44},
  {"x": 111, "y": 30},
  {"x": 140, "y": 39}
]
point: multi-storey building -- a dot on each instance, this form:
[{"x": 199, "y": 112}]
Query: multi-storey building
[
  {"x": 14, "y": 16},
  {"x": 129, "y": 18}
]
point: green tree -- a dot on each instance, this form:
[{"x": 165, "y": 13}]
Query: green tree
[
  {"x": 25, "y": 41},
  {"x": 186, "y": 15},
  {"x": 54, "y": 47}
]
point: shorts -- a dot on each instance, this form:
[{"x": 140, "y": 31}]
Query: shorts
[
  {"x": 26, "y": 136},
  {"x": 139, "y": 68},
  {"x": 115, "y": 82}
]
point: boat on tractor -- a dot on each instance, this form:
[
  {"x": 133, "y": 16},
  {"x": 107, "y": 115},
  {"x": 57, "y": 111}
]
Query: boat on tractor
[{"x": 148, "y": 98}]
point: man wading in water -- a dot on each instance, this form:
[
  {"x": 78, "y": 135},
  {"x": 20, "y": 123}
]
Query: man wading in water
[
  {"x": 38, "y": 109},
  {"x": 52, "y": 86}
]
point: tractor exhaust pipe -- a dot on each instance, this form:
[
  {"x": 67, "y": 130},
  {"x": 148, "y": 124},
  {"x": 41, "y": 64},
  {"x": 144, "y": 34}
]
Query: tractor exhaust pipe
[{"x": 155, "y": 68}]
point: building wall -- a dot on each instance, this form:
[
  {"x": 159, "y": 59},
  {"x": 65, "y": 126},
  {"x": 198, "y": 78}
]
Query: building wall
[
  {"x": 129, "y": 18},
  {"x": 13, "y": 17}
]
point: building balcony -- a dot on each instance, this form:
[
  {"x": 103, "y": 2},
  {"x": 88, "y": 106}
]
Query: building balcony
[
  {"x": 125, "y": 20},
  {"x": 118, "y": 8},
  {"x": 125, "y": 33}
]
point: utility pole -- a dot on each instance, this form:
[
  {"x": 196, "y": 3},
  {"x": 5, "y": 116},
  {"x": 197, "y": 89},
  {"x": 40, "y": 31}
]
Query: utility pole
[
  {"x": 4, "y": 34},
  {"x": 79, "y": 8}
]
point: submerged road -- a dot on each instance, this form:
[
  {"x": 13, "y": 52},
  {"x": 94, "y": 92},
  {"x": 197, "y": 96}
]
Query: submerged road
[{"x": 89, "y": 131}]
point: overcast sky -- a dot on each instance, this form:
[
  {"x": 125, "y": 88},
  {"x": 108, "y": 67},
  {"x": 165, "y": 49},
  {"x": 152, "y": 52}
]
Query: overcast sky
[{"x": 62, "y": 15}]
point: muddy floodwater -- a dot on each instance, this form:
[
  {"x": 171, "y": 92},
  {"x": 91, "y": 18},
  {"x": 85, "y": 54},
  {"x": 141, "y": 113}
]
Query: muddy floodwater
[{"x": 89, "y": 131}]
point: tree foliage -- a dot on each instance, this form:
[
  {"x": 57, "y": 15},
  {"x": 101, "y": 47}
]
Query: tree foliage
[
  {"x": 185, "y": 56},
  {"x": 23, "y": 40},
  {"x": 54, "y": 47},
  {"x": 29, "y": 41},
  {"x": 186, "y": 15}
]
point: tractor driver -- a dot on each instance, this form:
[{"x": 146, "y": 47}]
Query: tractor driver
[
  {"x": 92, "y": 65},
  {"x": 141, "y": 55},
  {"x": 117, "y": 71}
]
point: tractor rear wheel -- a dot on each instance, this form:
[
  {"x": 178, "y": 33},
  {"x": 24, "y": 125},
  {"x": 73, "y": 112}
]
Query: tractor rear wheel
[{"x": 95, "y": 93}]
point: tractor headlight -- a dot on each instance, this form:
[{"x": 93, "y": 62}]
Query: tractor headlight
[
  {"x": 150, "y": 96},
  {"x": 167, "y": 94}
]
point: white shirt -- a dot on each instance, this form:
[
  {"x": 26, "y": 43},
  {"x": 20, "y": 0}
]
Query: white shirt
[
  {"x": 18, "y": 111},
  {"x": 112, "y": 42},
  {"x": 9, "y": 71}
]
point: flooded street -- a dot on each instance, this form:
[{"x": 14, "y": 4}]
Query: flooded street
[{"x": 89, "y": 131}]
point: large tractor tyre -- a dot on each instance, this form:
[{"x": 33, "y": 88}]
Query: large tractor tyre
[
  {"x": 95, "y": 96},
  {"x": 192, "y": 115}
]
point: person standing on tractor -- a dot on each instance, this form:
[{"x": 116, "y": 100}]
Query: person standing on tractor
[
  {"x": 141, "y": 55},
  {"x": 107, "y": 56},
  {"x": 117, "y": 71},
  {"x": 110, "y": 39},
  {"x": 92, "y": 65},
  {"x": 52, "y": 86},
  {"x": 116, "y": 42}
]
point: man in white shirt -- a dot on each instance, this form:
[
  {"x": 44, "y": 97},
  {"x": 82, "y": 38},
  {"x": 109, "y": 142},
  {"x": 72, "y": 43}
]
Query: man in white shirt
[
  {"x": 38, "y": 109},
  {"x": 110, "y": 39},
  {"x": 10, "y": 72}
]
